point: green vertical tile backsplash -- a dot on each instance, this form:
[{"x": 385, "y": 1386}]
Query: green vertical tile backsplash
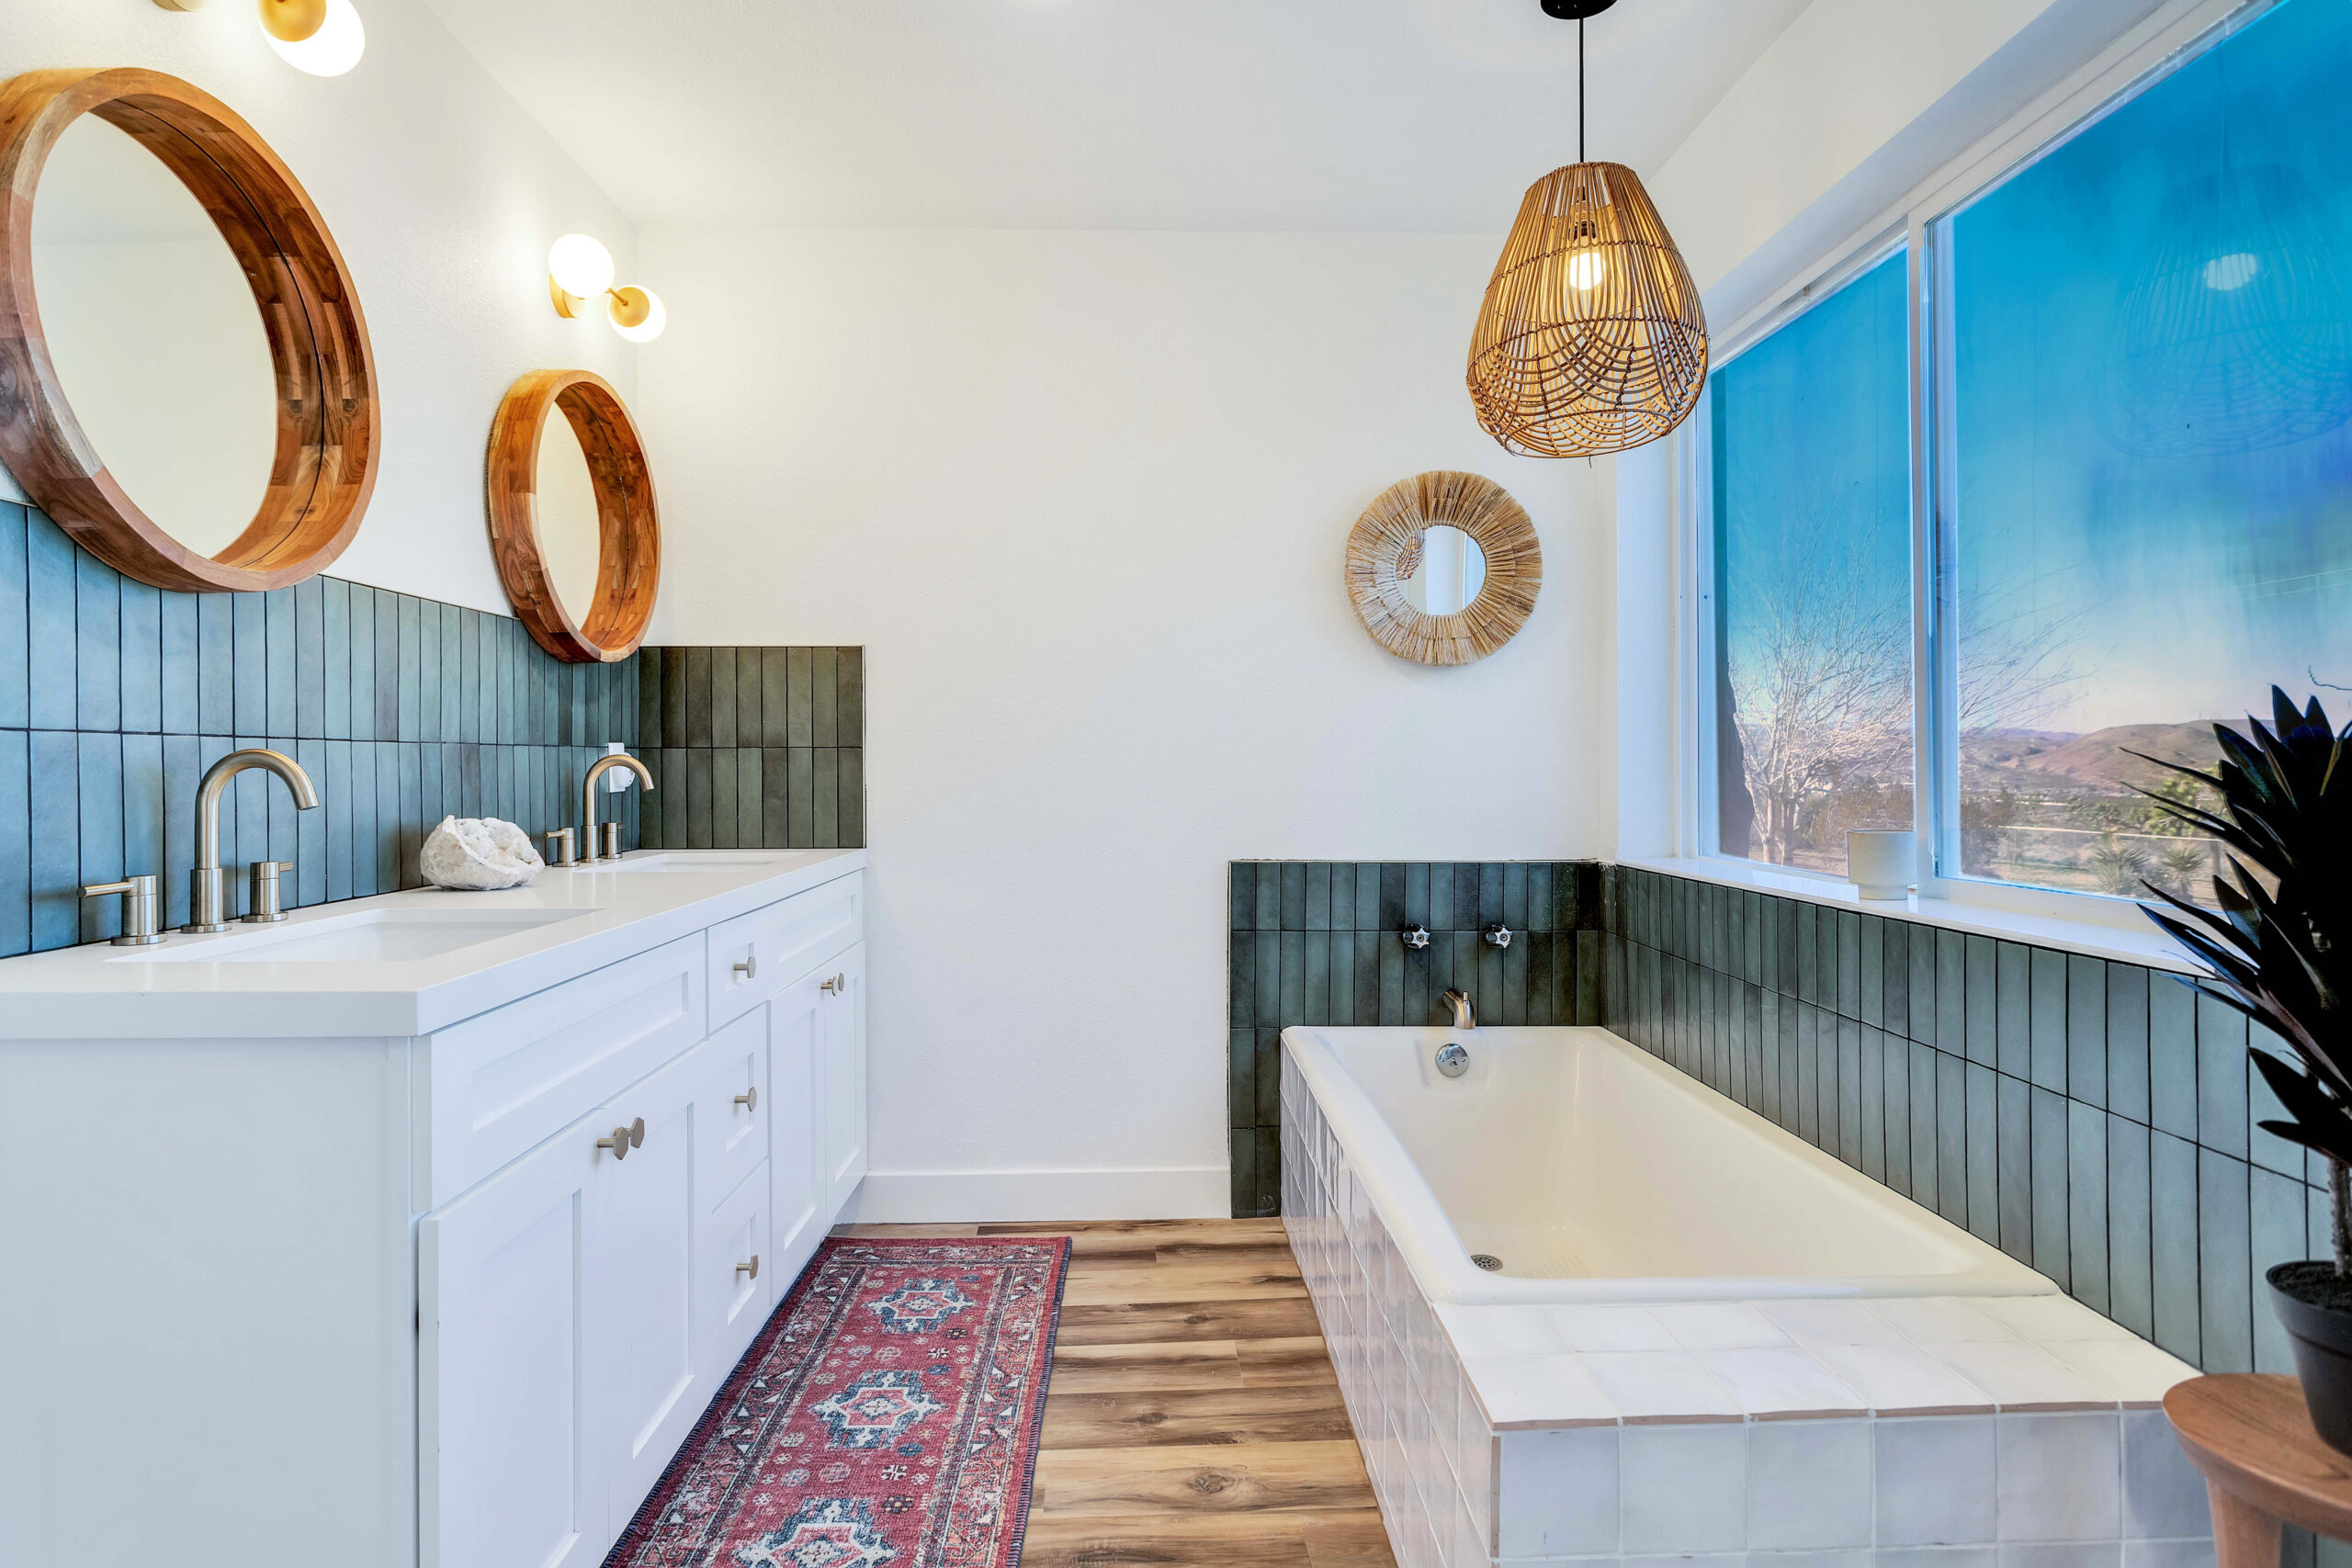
[{"x": 114, "y": 696}]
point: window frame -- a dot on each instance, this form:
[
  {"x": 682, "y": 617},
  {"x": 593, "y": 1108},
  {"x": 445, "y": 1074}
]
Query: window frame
[{"x": 2173, "y": 36}]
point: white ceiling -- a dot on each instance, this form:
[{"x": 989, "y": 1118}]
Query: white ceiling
[{"x": 1101, "y": 114}]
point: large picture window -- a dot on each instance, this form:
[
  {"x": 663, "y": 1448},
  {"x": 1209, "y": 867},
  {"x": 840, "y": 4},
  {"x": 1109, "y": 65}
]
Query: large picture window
[{"x": 2135, "y": 400}]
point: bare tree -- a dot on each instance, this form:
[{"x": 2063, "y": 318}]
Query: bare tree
[
  {"x": 1820, "y": 672},
  {"x": 1821, "y": 676},
  {"x": 2015, "y": 657}
]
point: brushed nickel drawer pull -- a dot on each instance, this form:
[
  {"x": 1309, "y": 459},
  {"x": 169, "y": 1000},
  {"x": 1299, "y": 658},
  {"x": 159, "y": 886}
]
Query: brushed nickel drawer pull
[
  {"x": 747, "y": 967},
  {"x": 753, "y": 1268},
  {"x": 618, "y": 1142},
  {"x": 750, "y": 1098},
  {"x": 635, "y": 1134}
]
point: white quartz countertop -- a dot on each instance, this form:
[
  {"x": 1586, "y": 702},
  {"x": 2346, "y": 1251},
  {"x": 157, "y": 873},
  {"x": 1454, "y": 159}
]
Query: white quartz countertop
[{"x": 566, "y": 923}]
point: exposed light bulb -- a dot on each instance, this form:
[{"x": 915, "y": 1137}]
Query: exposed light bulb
[
  {"x": 1586, "y": 269},
  {"x": 581, "y": 267},
  {"x": 333, "y": 49},
  {"x": 2226, "y": 275},
  {"x": 637, "y": 313}
]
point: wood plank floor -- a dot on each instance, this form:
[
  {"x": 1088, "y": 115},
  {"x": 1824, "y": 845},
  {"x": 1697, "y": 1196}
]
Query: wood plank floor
[{"x": 1193, "y": 1418}]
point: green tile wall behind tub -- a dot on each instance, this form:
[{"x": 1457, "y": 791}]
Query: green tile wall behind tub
[
  {"x": 115, "y": 696},
  {"x": 1316, "y": 941},
  {"x": 2092, "y": 1119}
]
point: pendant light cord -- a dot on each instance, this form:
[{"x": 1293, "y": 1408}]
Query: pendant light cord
[{"x": 1579, "y": 89}]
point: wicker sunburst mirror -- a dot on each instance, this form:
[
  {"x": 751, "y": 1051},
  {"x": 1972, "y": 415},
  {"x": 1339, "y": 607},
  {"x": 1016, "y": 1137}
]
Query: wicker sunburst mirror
[{"x": 1392, "y": 566}]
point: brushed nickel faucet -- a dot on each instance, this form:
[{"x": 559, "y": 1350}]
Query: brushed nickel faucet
[
  {"x": 1465, "y": 1017},
  {"x": 611, "y": 843},
  {"x": 208, "y": 902}
]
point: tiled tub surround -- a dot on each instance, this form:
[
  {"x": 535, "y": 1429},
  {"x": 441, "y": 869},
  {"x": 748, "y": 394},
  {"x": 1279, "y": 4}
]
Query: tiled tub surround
[
  {"x": 2022, "y": 1432},
  {"x": 1315, "y": 943},
  {"x": 2091, "y": 1118},
  {"x": 115, "y": 696}
]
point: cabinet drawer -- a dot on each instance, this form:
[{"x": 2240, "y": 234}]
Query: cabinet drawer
[
  {"x": 755, "y": 955},
  {"x": 500, "y": 1083},
  {"x": 732, "y": 1135}
]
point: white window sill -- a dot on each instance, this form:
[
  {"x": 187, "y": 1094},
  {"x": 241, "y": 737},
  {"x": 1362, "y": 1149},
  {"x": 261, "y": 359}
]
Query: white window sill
[{"x": 2112, "y": 938}]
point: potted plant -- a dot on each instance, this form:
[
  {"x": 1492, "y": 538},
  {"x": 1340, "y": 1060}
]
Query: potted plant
[{"x": 2279, "y": 950}]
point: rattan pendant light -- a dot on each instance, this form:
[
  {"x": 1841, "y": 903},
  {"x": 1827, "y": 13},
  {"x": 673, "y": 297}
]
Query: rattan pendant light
[{"x": 1592, "y": 338}]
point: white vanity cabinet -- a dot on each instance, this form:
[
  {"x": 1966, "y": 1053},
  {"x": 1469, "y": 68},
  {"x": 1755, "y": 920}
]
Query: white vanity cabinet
[
  {"x": 452, "y": 1300},
  {"x": 583, "y": 1305}
]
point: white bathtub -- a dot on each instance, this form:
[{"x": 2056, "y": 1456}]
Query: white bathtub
[{"x": 1596, "y": 1173}]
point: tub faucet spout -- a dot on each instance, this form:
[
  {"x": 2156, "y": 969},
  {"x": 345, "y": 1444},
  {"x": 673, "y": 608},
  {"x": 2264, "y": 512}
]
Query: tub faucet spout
[{"x": 1464, "y": 1015}]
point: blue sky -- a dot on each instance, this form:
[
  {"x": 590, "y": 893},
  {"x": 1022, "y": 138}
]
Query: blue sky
[{"x": 2152, "y": 334}]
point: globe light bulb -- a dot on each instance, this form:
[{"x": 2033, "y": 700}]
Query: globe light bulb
[
  {"x": 335, "y": 48},
  {"x": 580, "y": 265},
  {"x": 1586, "y": 269},
  {"x": 637, "y": 313}
]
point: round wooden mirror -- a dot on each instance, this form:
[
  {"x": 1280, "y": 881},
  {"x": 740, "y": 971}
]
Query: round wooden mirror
[
  {"x": 198, "y": 406},
  {"x": 572, "y": 520},
  {"x": 1443, "y": 568}
]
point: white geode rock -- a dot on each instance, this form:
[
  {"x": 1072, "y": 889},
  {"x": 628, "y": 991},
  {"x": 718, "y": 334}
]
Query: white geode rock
[{"x": 477, "y": 853}]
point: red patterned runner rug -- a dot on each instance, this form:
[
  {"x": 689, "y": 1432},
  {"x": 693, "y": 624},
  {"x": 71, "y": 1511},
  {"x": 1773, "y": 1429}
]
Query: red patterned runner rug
[{"x": 886, "y": 1418}]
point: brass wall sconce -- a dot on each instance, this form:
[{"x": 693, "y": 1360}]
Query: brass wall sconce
[
  {"x": 579, "y": 269},
  {"x": 325, "y": 37}
]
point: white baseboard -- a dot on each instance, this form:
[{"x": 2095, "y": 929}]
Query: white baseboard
[{"x": 992, "y": 1197}]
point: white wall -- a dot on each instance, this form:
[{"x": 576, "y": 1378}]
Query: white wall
[
  {"x": 1083, "y": 497},
  {"x": 442, "y": 196}
]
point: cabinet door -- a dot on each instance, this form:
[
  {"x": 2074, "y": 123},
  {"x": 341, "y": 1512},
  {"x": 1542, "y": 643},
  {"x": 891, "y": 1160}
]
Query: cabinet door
[
  {"x": 795, "y": 1024},
  {"x": 739, "y": 1278},
  {"x": 645, "y": 1382},
  {"x": 508, "y": 1472},
  {"x": 841, "y": 1052}
]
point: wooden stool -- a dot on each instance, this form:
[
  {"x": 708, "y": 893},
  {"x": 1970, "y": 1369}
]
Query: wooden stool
[{"x": 2251, "y": 1437}]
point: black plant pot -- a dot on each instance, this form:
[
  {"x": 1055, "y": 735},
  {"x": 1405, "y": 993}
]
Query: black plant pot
[{"x": 2315, "y": 1305}]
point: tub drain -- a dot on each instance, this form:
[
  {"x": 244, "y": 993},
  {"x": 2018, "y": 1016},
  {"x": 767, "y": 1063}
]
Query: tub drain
[{"x": 1487, "y": 1261}]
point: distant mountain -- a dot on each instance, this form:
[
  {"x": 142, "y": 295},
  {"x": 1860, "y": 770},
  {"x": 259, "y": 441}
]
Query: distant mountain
[{"x": 2097, "y": 762}]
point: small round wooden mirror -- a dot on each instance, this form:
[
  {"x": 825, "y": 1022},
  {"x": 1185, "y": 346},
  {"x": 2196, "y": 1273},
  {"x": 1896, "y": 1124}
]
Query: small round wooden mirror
[
  {"x": 1443, "y": 568},
  {"x": 572, "y": 520},
  {"x": 185, "y": 386}
]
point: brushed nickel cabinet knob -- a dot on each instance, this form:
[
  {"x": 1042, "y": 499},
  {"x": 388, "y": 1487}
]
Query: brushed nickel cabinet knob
[
  {"x": 750, "y": 1098},
  {"x": 747, "y": 967},
  {"x": 618, "y": 1142},
  {"x": 836, "y": 985},
  {"x": 752, "y": 1269}
]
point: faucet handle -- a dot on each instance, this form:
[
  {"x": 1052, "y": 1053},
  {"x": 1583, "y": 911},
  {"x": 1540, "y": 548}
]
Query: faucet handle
[
  {"x": 560, "y": 843},
  {"x": 1415, "y": 936},
  {"x": 142, "y": 910},
  {"x": 1497, "y": 935},
  {"x": 612, "y": 845},
  {"x": 267, "y": 905}
]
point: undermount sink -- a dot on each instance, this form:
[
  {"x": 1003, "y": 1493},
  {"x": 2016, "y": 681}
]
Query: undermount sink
[
  {"x": 377, "y": 936},
  {"x": 688, "y": 861}
]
